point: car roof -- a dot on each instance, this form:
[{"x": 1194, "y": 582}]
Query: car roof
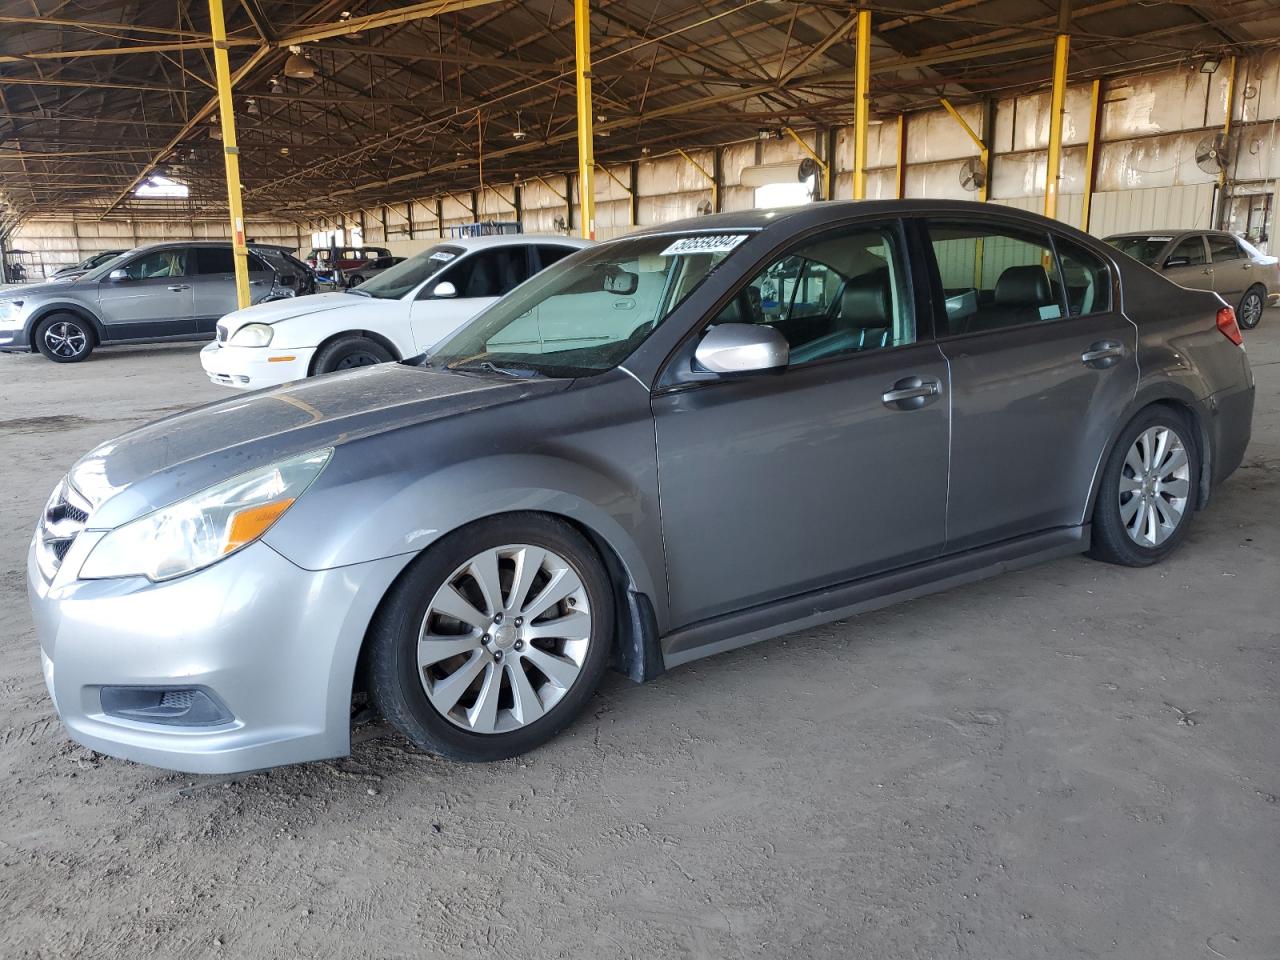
[
  {"x": 507, "y": 239},
  {"x": 1174, "y": 233}
]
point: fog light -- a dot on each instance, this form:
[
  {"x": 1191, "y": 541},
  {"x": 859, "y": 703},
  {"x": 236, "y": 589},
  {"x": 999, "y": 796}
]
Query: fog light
[{"x": 178, "y": 706}]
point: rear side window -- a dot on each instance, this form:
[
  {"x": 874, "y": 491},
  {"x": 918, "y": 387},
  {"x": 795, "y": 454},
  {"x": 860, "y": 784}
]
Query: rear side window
[
  {"x": 995, "y": 276},
  {"x": 1086, "y": 281},
  {"x": 215, "y": 260},
  {"x": 1222, "y": 249},
  {"x": 1188, "y": 253}
]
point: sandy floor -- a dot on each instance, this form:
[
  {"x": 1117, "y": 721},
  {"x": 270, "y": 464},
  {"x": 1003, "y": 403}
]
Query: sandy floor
[{"x": 1073, "y": 761}]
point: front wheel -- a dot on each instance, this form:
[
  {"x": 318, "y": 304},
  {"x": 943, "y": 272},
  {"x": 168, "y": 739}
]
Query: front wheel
[
  {"x": 1148, "y": 490},
  {"x": 350, "y": 352},
  {"x": 494, "y": 639},
  {"x": 63, "y": 338},
  {"x": 1249, "y": 313}
]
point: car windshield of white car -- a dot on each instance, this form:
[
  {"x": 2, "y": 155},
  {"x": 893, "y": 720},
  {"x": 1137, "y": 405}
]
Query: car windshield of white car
[
  {"x": 394, "y": 282},
  {"x": 588, "y": 313}
]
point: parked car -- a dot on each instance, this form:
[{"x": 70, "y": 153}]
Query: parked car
[
  {"x": 153, "y": 293},
  {"x": 358, "y": 275},
  {"x": 396, "y": 314},
  {"x": 1214, "y": 260},
  {"x": 326, "y": 259},
  {"x": 85, "y": 265},
  {"x": 667, "y": 445}
]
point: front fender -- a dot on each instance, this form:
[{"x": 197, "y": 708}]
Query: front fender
[{"x": 64, "y": 306}]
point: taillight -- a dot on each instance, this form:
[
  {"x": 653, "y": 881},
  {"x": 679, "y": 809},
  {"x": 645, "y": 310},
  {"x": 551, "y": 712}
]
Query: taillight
[{"x": 1227, "y": 324}]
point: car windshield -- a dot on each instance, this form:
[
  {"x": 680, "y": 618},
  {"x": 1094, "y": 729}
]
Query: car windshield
[
  {"x": 1144, "y": 249},
  {"x": 394, "y": 282},
  {"x": 588, "y": 313}
]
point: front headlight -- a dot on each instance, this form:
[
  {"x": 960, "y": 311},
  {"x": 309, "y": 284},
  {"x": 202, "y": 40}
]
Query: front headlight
[
  {"x": 9, "y": 309},
  {"x": 212, "y": 524},
  {"x": 252, "y": 335}
]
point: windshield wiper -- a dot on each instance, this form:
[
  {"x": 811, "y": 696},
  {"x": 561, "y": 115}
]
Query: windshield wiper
[{"x": 488, "y": 366}]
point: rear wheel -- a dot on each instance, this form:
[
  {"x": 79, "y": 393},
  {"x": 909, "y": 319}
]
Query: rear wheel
[
  {"x": 355, "y": 281},
  {"x": 350, "y": 352},
  {"x": 1249, "y": 313},
  {"x": 1148, "y": 490},
  {"x": 64, "y": 338},
  {"x": 494, "y": 639}
]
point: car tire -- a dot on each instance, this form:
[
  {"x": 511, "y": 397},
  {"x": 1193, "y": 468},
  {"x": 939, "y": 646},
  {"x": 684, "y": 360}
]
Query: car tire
[
  {"x": 346, "y": 353},
  {"x": 1249, "y": 312},
  {"x": 64, "y": 338},
  {"x": 355, "y": 282},
  {"x": 1148, "y": 491},
  {"x": 461, "y": 696}
]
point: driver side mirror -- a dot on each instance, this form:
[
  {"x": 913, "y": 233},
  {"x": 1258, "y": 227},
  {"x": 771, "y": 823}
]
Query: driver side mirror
[
  {"x": 444, "y": 290},
  {"x": 118, "y": 275},
  {"x": 738, "y": 348},
  {"x": 1177, "y": 262}
]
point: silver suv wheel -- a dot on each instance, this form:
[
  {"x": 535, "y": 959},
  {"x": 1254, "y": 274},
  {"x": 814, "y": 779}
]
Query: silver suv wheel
[
  {"x": 66, "y": 339},
  {"x": 504, "y": 638}
]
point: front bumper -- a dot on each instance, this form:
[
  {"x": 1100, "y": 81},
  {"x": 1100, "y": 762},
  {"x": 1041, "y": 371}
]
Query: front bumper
[
  {"x": 14, "y": 339},
  {"x": 276, "y": 644},
  {"x": 251, "y": 368}
]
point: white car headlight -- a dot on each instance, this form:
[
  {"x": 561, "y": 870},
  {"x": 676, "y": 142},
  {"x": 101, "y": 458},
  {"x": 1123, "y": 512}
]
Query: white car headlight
[
  {"x": 252, "y": 335},
  {"x": 9, "y": 308},
  {"x": 212, "y": 524}
]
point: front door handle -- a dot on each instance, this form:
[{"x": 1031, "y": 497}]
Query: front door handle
[
  {"x": 179, "y": 287},
  {"x": 912, "y": 393},
  {"x": 256, "y": 283},
  {"x": 1102, "y": 354}
]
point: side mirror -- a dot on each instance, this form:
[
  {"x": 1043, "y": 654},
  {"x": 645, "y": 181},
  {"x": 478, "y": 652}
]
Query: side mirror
[
  {"x": 444, "y": 290},
  {"x": 736, "y": 348},
  {"x": 117, "y": 275},
  {"x": 1177, "y": 262}
]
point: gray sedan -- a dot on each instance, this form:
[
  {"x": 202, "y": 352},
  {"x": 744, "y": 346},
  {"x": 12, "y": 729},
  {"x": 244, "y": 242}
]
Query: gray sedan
[{"x": 665, "y": 446}]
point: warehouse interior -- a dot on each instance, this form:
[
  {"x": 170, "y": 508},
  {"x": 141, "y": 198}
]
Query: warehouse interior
[{"x": 1070, "y": 760}]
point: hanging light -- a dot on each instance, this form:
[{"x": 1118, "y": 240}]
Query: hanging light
[
  {"x": 298, "y": 67},
  {"x": 251, "y": 107},
  {"x": 276, "y": 86}
]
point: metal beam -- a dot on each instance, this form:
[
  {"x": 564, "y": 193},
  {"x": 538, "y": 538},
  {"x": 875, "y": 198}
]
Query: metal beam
[
  {"x": 416, "y": 11},
  {"x": 861, "y": 103},
  {"x": 984, "y": 154},
  {"x": 586, "y": 148},
  {"x": 231, "y": 153},
  {"x": 900, "y": 173}
]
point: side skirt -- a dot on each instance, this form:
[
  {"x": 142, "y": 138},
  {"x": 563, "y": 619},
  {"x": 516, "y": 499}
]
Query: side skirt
[{"x": 822, "y": 606}]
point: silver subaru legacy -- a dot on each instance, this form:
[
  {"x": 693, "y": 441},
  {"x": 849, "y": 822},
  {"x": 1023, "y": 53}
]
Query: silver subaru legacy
[{"x": 675, "y": 443}]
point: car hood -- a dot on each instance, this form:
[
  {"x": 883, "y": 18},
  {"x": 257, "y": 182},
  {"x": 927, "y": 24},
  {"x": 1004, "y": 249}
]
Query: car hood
[
  {"x": 26, "y": 290},
  {"x": 165, "y": 461},
  {"x": 277, "y": 310}
]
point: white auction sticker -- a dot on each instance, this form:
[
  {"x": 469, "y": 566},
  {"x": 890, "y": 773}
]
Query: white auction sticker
[{"x": 708, "y": 243}]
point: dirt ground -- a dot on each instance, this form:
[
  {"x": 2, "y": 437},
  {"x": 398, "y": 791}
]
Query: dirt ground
[{"x": 1074, "y": 761}]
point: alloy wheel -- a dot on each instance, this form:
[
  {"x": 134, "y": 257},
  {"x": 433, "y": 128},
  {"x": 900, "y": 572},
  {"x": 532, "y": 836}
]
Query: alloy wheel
[
  {"x": 1250, "y": 310},
  {"x": 504, "y": 638},
  {"x": 66, "y": 339},
  {"x": 1155, "y": 486}
]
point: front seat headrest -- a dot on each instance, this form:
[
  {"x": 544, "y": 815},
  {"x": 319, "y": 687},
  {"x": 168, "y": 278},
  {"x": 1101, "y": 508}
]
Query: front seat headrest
[
  {"x": 1025, "y": 286},
  {"x": 867, "y": 301}
]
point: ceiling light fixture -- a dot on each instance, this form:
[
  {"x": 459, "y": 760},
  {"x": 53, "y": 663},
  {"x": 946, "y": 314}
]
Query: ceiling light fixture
[
  {"x": 1210, "y": 64},
  {"x": 298, "y": 66}
]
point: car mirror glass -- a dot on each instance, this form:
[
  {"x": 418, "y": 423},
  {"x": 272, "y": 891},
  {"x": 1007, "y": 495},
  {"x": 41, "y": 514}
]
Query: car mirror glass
[
  {"x": 742, "y": 348},
  {"x": 1177, "y": 262},
  {"x": 117, "y": 275},
  {"x": 444, "y": 290}
]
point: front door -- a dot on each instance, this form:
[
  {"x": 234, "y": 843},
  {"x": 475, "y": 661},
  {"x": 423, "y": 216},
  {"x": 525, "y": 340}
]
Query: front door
[
  {"x": 1188, "y": 264},
  {"x": 773, "y": 485},
  {"x": 153, "y": 300},
  {"x": 478, "y": 279},
  {"x": 1042, "y": 365}
]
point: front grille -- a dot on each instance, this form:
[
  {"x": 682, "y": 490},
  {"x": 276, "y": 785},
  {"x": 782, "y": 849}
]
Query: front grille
[
  {"x": 65, "y": 515},
  {"x": 222, "y": 333}
]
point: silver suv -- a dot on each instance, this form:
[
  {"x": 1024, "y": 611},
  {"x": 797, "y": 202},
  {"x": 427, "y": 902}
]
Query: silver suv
[{"x": 157, "y": 292}]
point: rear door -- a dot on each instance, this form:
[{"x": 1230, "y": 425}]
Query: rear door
[
  {"x": 1188, "y": 264},
  {"x": 1232, "y": 267},
  {"x": 153, "y": 301},
  {"x": 215, "y": 284},
  {"x": 1042, "y": 365}
]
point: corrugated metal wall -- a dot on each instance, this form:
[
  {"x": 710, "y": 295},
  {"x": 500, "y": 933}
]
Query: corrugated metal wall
[{"x": 1147, "y": 175}]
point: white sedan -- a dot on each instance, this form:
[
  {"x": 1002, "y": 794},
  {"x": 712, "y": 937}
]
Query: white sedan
[{"x": 400, "y": 313}]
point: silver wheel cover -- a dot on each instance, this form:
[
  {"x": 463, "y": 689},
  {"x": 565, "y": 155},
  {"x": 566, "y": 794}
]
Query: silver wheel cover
[
  {"x": 1155, "y": 486},
  {"x": 504, "y": 638},
  {"x": 65, "y": 339},
  {"x": 1251, "y": 308}
]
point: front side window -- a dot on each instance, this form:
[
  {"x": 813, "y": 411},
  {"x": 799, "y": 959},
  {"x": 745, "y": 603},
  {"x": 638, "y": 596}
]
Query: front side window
[
  {"x": 1222, "y": 249},
  {"x": 587, "y": 314},
  {"x": 1188, "y": 253},
  {"x": 841, "y": 293},
  {"x": 394, "y": 282},
  {"x": 994, "y": 276},
  {"x": 158, "y": 265}
]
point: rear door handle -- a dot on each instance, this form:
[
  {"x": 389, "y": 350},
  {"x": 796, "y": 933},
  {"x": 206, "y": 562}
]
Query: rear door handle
[
  {"x": 1102, "y": 353},
  {"x": 912, "y": 393}
]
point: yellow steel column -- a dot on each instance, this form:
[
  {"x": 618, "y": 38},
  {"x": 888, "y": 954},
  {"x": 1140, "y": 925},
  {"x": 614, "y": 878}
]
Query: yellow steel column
[
  {"x": 1053, "y": 171},
  {"x": 862, "y": 103},
  {"x": 586, "y": 149},
  {"x": 230, "y": 150},
  {"x": 1226, "y": 120},
  {"x": 1091, "y": 154}
]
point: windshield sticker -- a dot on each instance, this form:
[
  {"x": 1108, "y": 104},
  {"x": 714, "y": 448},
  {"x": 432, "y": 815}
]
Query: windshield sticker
[
  {"x": 442, "y": 255},
  {"x": 1158, "y": 239},
  {"x": 722, "y": 243}
]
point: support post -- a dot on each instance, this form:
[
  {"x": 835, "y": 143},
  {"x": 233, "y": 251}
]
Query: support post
[
  {"x": 586, "y": 149},
  {"x": 1091, "y": 154},
  {"x": 1220, "y": 218},
  {"x": 715, "y": 183},
  {"x": 634, "y": 175},
  {"x": 717, "y": 178},
  {"x": 900, "y": 173},
  {"x": 1053, "y": 169},
  {"x": 231, "y": 152},
  {"x": 862, "y": 102},
  {"x": 984, "y": 153}
]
